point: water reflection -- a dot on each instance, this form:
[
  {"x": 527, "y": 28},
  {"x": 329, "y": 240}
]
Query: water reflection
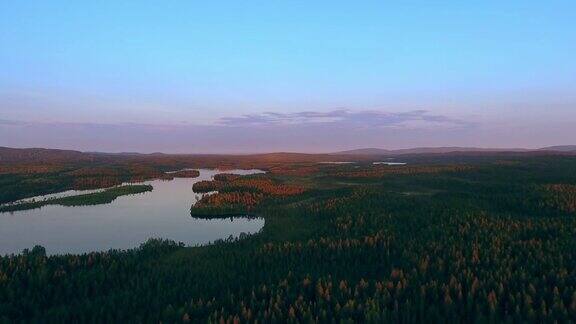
[{"x": 125, "y": 223}]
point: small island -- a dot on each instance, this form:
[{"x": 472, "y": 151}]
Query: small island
[
  {"x": 96, "y": 198},
  {"x": 185, "y": 174}
]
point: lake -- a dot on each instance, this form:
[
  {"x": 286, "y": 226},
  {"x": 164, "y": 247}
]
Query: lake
[{"x": 123, "y": 224}]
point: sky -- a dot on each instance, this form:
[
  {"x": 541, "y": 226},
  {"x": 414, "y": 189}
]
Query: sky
[{"x": 306, "y": 76}]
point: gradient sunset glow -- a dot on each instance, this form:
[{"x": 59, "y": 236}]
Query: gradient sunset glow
[{"x": 260, "y": 76}]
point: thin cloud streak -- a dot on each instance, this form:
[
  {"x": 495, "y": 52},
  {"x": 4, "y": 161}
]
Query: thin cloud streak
[
  {"x": 307, "y": 131},
  {"x": 347, "y": 118}
]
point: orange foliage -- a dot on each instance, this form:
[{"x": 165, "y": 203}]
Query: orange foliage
[
  {"x": 265, "y": 186},
  {"x": 207, "y": 186},
  {"x": 242, "y": 191},
  {"x": 246, "y": 199},
  {"x": 185, "y": 174}
]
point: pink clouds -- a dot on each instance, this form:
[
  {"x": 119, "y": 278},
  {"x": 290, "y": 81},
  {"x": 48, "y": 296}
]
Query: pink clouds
[
  {"x": 307, "y": 131},
  {"x": 347, "y": 118}
]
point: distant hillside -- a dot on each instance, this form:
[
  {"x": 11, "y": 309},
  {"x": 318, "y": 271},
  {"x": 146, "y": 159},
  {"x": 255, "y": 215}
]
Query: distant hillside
[
  {"x": 40, "y": 155},
  {"x": 365, "y": 151},
  {"x": 29, "y": 155},
  {"x": 424, "y": 150},
  {"x": 560, "y": 148}
]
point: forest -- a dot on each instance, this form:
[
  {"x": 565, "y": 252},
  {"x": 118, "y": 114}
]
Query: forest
[{"x": 486, "y": 238}]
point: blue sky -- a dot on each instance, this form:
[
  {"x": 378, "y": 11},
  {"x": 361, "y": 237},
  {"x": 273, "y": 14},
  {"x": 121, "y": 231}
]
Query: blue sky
[{"x": 502, "y": 73}]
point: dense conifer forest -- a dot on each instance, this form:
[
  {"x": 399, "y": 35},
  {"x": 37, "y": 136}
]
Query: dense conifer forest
[{"x": 487, "y": 238}]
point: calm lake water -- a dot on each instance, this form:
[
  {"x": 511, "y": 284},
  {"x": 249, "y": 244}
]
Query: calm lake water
[{"x": 123, "y": 224}]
